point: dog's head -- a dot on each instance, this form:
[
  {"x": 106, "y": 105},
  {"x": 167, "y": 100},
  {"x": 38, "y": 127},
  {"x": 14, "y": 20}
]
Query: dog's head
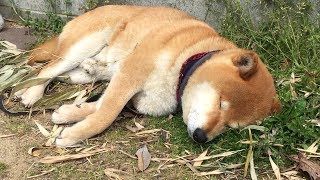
[{"x": 233, "y": 88}]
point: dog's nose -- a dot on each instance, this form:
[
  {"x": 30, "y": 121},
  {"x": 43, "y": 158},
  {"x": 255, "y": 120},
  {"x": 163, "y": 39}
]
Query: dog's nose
[{"x": 199, "y": 136}]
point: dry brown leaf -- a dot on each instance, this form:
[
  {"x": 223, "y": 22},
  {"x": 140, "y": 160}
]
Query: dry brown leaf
[
  {"x": 111, "y": 173},
  {"x": 234, "y": 166},
  {"x": 135, "y": 129},
  {"x": 313, "y": 147},
  {"x": 315, "y": 121},
  {"x": 148, "y": 131},
  {"x": 139, "y": 126},
  {"x": 56, "y": 159},
  {"x": 215, "y": 172},
  {"x": 253, "y": 173},
  {"x": 144, "y": 158},
  {"x": 289, "y": 174},
  {"x": 43, "y": 130},
  {"x": 248, "y": 142},
  {"x": 275, "y": 168},
  {"x": 35, "y": 151},
  {"x": 55, "y": 132},
  {"x": 250, "y": 152},
  {"x": 225, "y": 154},
  {"x": 49, "y": 142},
  {"x": 306, "y": 165},
  {"x": 192, "y": 168},
  {"x": 199, "y": 162}
]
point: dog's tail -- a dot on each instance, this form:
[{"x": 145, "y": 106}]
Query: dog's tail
[{"x": 45, "y": 52}]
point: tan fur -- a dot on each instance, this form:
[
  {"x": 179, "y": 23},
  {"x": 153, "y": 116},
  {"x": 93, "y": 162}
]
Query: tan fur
[
  {"x": 147, "y": 46},
  {"x": 45, "y": 52}
]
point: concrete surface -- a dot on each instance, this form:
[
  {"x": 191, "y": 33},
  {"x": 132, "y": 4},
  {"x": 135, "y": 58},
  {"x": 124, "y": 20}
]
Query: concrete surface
[
  {"x": 211, "y": 11},
  {"x": 19, "y": 36}
]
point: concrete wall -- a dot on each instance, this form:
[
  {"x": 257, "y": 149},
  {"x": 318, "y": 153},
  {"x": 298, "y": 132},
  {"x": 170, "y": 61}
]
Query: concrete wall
[{"x": 210, "y": 11}]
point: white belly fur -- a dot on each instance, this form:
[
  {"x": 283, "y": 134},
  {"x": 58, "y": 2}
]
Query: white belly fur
[{"x": 158, "y": 94}]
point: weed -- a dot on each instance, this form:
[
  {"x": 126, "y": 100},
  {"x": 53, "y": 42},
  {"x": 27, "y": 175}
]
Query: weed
[
  {"x": 91, "y": 4},
  {"x": 52, "y": 24},
  {"x": 3, "y": 169},
  {"x": 287, "y": 41}
]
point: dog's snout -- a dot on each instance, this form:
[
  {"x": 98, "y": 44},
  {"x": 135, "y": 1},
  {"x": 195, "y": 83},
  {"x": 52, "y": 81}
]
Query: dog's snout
[{"x": 200, "y": 136}]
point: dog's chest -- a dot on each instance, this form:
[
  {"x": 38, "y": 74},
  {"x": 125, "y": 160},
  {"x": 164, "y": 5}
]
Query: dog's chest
[{"x": 158, "y": 96}]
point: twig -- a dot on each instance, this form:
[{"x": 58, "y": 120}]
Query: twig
[
  {"x": 8, "y": 135},
  {"x": 42, "y": 174}
]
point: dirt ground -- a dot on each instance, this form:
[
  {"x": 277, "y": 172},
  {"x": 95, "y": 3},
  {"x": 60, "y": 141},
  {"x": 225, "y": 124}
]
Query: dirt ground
[{"x": 13, "y": 149}]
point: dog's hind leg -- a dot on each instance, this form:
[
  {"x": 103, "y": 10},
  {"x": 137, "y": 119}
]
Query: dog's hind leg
[
  {"x": 123, "y": 86},
  {"x": 68, "y": 58}
]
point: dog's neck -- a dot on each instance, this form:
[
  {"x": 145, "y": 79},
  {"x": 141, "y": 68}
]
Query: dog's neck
[{"x": 187, "y": 69}]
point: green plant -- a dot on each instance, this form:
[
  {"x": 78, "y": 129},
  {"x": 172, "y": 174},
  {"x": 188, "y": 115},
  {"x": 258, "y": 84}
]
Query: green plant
[
  {"x": 51, "y": 24},
  {"x": 91, "y": 4},
  {"x": 3, "y": 169},
  {"x": 287, "y": 40}
]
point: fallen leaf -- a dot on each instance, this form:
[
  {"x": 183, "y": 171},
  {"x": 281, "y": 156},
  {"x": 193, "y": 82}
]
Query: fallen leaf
[
  {"x": 199, "y": 162},
  {"x": 315, "y": 121},
  {"x": 144, "y": 158},
  {"x": 111, "y": 173},
  {"x": 137, "y": 127},
  {"x": 253, "y": 173},
  {"x": 28, "y": 83},
  {"x": 275, "y": 168},
  {"x": 79, "y": 97},
  {"x": 215, "y": 172},
  {"x": 34, "y": 151},
  {"x": 250, "y": 152},
  {"x": 234, "y": 166},
  {"x": 55, "y": 132},
  {"x": 306, "y": 165},
  {"x": 256, "y": 127},
  {"x": 170, "y": 117},
  {"x": 148, "y": 131},
  {"x": 289, "y": 174},
  {"x": 43, "y": 130},
  {"x": 313, "y": 147},
  {"x": 68, "y": 157},
  {"x": 225, "y": 154}
]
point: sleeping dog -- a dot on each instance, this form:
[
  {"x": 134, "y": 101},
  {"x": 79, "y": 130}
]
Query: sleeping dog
[{"x": 161, "y": 59}]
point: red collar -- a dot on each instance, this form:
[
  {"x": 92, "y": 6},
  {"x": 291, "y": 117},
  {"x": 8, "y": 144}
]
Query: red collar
[{"x": 187, "y": 69}]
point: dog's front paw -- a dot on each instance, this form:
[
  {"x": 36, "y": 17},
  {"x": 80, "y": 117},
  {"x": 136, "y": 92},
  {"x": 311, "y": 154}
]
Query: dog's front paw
[
  {"x": 66, "y": 138},
  {"x": 32, "y": 95},
  {"x": 67, "y": 113},
  {"x": 19, "y": 93}
]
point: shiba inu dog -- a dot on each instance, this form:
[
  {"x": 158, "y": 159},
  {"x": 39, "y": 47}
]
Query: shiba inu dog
[{"x": 157, "y": 57}]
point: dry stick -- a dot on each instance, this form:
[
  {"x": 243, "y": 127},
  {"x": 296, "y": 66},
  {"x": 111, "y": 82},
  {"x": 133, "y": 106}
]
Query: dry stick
[
  {"x": 8, "y": 135},
  {"x": 42, "y": 174},
  {"x": 25, "y": 174}
]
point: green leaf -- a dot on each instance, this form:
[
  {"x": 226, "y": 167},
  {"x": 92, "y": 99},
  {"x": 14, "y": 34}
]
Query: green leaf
[{"x": 29, "y": 83}]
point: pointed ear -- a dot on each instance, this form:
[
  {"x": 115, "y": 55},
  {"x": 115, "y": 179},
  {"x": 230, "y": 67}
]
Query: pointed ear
[
  {"x": 276, "y": 105},
  {"x": 247, "y": 64}
]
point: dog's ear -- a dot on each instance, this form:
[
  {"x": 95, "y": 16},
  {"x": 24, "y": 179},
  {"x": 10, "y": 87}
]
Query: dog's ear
[{"x": 247, "y": 63}]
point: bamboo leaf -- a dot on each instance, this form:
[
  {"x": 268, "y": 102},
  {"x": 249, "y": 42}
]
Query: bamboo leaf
[{"x": 29, "y": 83}]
